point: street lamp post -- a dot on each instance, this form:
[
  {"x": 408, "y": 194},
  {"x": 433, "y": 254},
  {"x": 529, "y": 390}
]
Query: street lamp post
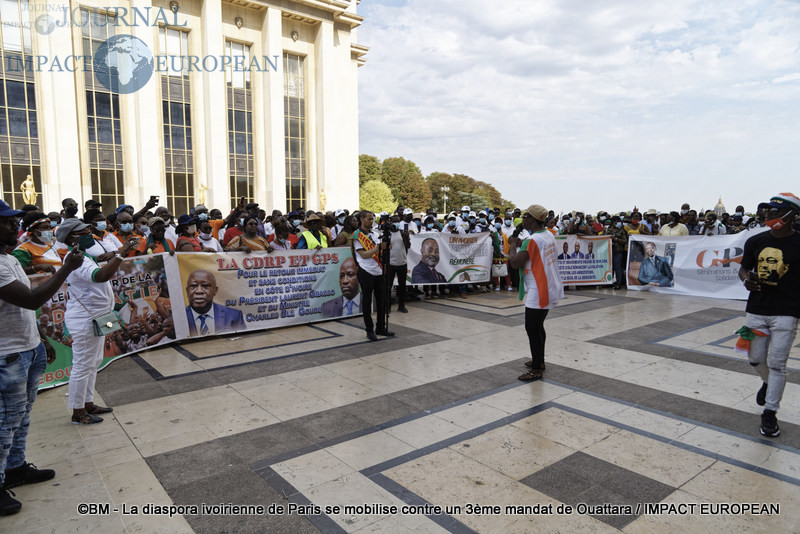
[{"x": 445, "y": 190}]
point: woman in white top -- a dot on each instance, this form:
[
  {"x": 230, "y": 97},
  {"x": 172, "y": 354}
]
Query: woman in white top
[
  {"x": 90, "y": 296},
  {"x": 106, "y": 244}
]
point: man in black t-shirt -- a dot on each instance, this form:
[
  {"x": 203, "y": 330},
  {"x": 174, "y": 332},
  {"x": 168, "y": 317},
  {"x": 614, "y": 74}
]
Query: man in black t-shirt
[{"x": 771, "y": 272}]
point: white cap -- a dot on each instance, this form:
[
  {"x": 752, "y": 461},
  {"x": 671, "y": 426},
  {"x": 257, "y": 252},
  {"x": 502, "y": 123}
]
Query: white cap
[
  {"x": 338, "y": 212},
  {"x": 472, "y": 214},
  {"x": 464, "y": 208},
  {"x": 383, "y": 214},
  {"x": 408, "y": 211}
]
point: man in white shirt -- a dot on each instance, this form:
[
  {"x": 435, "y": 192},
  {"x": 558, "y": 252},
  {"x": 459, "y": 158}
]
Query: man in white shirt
[
  {"x": 713, "y": 226},
  {"x": 23, "y": 358},
  {"x": 368, "y": 247}
]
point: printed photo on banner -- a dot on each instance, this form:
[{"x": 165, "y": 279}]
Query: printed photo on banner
[
  {"x": 449, "y": 258},
  {"x": 141, "y": 299},
  {"x": 236, "y": 292},
  {"x": 650, "y": 264},
  {"x": 584, "y": 259}
]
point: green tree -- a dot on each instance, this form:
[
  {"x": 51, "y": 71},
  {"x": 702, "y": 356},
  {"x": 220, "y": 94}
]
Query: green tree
[
  {"x": 406, "y": 183},
  {"x": 376, "y": 196},
  {"x": 369, "y": 168}
]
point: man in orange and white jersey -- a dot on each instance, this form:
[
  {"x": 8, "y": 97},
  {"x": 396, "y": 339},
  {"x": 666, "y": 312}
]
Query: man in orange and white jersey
[{"x": 537, "y": 258}]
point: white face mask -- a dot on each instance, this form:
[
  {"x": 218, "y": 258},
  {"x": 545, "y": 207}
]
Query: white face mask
[
  {"x": 192, "y": 229},
  {"x": 46, "y": 236}
]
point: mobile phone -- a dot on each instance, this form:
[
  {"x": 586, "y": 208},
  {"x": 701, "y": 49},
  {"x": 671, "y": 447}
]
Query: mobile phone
[{"x": 154, "y": 197}]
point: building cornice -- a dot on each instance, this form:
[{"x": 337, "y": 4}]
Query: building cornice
[{"x": 338, "y": 8}]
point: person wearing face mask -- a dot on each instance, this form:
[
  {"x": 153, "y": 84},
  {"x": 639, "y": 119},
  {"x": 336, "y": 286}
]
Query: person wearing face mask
[
  {"x": 619, "y": 248},
  {"x": 340, "y": 216},
  {"x": 345, "y": 235},
  {"x": 691, "y": 223},
  {"x": 713, "y": 226},
  {"x": 429, "y": 225},
  {"x": 281, "y": 238},
  {"x": 500, "y": 253},
  {"x": 770, "y": 270},
  {"x": 37, "y": 254},
  {"x": 313, "y": 238},
  {"x": 91, "y": 296},
  {"x": 206, "y": 238},
  {"x": 55, "y": 218},
  {"x": 398, "y": 266},
  {"x": 187, "y": 240},
  {"x": 106, "y": 244},
  {"x": 125, "y": 228},
  {"x": 407, "y": 224},
  {"x": 674, "y": 227},
  {"x": 156, "y": 242}
]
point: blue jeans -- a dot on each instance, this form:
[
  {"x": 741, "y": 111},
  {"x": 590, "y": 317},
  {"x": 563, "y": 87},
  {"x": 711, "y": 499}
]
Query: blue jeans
[
  {"x": 768, "y": 354},
  {"x": 19, "y": 382}
]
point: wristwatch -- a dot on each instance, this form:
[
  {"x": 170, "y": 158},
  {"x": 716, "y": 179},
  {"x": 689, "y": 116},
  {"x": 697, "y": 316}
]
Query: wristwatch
[{"x": 120, "y": 258}]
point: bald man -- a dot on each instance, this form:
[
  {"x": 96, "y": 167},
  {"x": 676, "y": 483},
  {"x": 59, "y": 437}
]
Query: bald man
[
  {"x": 204, "y": 316},
  {"x": 349, "y": 303}
]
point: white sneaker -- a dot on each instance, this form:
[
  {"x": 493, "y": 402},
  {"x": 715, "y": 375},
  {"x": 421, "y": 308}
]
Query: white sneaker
[
  {"x": 510, "y": 288},
  {"x": 497, "y": 288}
]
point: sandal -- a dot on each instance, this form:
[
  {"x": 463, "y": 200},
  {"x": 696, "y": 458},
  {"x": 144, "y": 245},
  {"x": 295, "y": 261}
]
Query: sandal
[
  {"x": 530, "y": 364},
  {"x": 86, "y": 419},
  {"x": 533, "y": 374},
  {"x": 99, "y": 409}
]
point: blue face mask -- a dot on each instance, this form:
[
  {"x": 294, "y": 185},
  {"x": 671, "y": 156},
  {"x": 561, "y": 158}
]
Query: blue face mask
[
  {"x": 498, "y": 225},
  {"x": 507, "y": 222},
  {"x": 341, "y": 220},
  {"x": 241, "y": 222},
  {"x": 451, "y": 224},
  {"x": 429, "y": 225},
  {"x": 101, "y": 225},
  {"x": 619, "y": 225},
  {"x": 396, "y": 226},
  {"x": 126, "y": 227},
  {"x": 53, "y": 224},
  {"x": 472, "y": 219},
  {"x": 203, "y": 216},
  {"x": 296, "y": 222}
]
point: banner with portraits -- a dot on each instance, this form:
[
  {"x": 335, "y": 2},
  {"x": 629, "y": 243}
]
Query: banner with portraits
[
  {"x": 444, "y": 258},
  {"x": 584, "y": 259},
  {"x": 703, "y": 266},
  {"x": 162, "y": 299}
]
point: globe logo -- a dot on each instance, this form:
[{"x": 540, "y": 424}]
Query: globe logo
[
  {"x": 123, "y": 64},
  {"x": 44, "y": 24}
]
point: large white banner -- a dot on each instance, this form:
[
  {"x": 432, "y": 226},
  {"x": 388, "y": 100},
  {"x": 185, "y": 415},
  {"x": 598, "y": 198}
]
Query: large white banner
[
  {"x": 705, "y": 266},
  {"x": 444, "y": 258}
]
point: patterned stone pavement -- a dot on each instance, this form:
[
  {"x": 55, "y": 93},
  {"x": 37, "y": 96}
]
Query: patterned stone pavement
[{"x": 645, "y": 422}]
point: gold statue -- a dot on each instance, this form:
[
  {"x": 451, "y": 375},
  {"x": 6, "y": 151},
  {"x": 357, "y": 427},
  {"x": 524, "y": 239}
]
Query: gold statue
[
  {"x": 201, "y": 194},
  {"x": 322, "y": 199},
  {"x": 29, "y": 191}
]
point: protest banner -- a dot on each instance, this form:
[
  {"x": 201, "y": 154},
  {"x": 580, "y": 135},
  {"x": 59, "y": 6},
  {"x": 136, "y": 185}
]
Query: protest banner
[
  {"x": 445, "y": 258},
  {"x": 703, "y": 266},
  {"x": 584, "y": 259},
  {"x": 235, "y": 292}
]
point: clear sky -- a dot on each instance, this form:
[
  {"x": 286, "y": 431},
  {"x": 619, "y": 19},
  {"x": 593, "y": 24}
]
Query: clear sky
[{"x": 589, "y": 105}]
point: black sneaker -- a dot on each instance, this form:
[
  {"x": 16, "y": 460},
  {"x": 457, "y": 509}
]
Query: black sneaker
[
  {"x": 8, "y": 504},
  {"x": 769, "y": 424},
  {"x": 27, "y": 474},
  {"x": 761, "y": 396}
]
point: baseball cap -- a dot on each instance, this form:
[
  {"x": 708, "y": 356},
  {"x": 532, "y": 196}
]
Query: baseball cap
[
  {"x": 6, "y": 211},
  {"x": 67, "y": 227},
  {"x": 782, "y": 200},
  {"x": 464, "y": 208},
  {"x": 91, "y": 202},
  {"x": 122, "y": 207},
  {"x": 153, "y": 220},
  {"x": 185, "y": 219},
  {"x": 338, "y": 212},
  {"x": 408, "y": 211}
]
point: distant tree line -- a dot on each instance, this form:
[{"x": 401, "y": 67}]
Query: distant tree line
[{"x": 396, "y": 181}]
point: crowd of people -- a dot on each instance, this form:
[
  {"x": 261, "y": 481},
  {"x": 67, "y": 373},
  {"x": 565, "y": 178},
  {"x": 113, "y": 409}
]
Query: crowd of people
[{"x": 86, "y": 252}]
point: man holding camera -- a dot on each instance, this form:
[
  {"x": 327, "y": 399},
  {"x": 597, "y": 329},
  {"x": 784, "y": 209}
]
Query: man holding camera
[{"x": 368, "y": 248}]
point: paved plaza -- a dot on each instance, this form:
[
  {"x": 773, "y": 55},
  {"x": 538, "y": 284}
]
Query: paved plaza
[{"x": 643, "y": 402}]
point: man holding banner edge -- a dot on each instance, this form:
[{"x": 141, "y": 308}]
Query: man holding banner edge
[
  {"x": 773, "y": 306},
  {"x": 537, "y": 261}
]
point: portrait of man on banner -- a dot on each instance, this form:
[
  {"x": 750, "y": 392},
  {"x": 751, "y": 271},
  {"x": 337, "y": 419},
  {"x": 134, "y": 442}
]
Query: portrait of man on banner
[
  {"x": 206, "y": 317},
  {"x": 425, "y": 271},
  {"x": 349, "y": 302},
  {"x": 652, "y": 270}
]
